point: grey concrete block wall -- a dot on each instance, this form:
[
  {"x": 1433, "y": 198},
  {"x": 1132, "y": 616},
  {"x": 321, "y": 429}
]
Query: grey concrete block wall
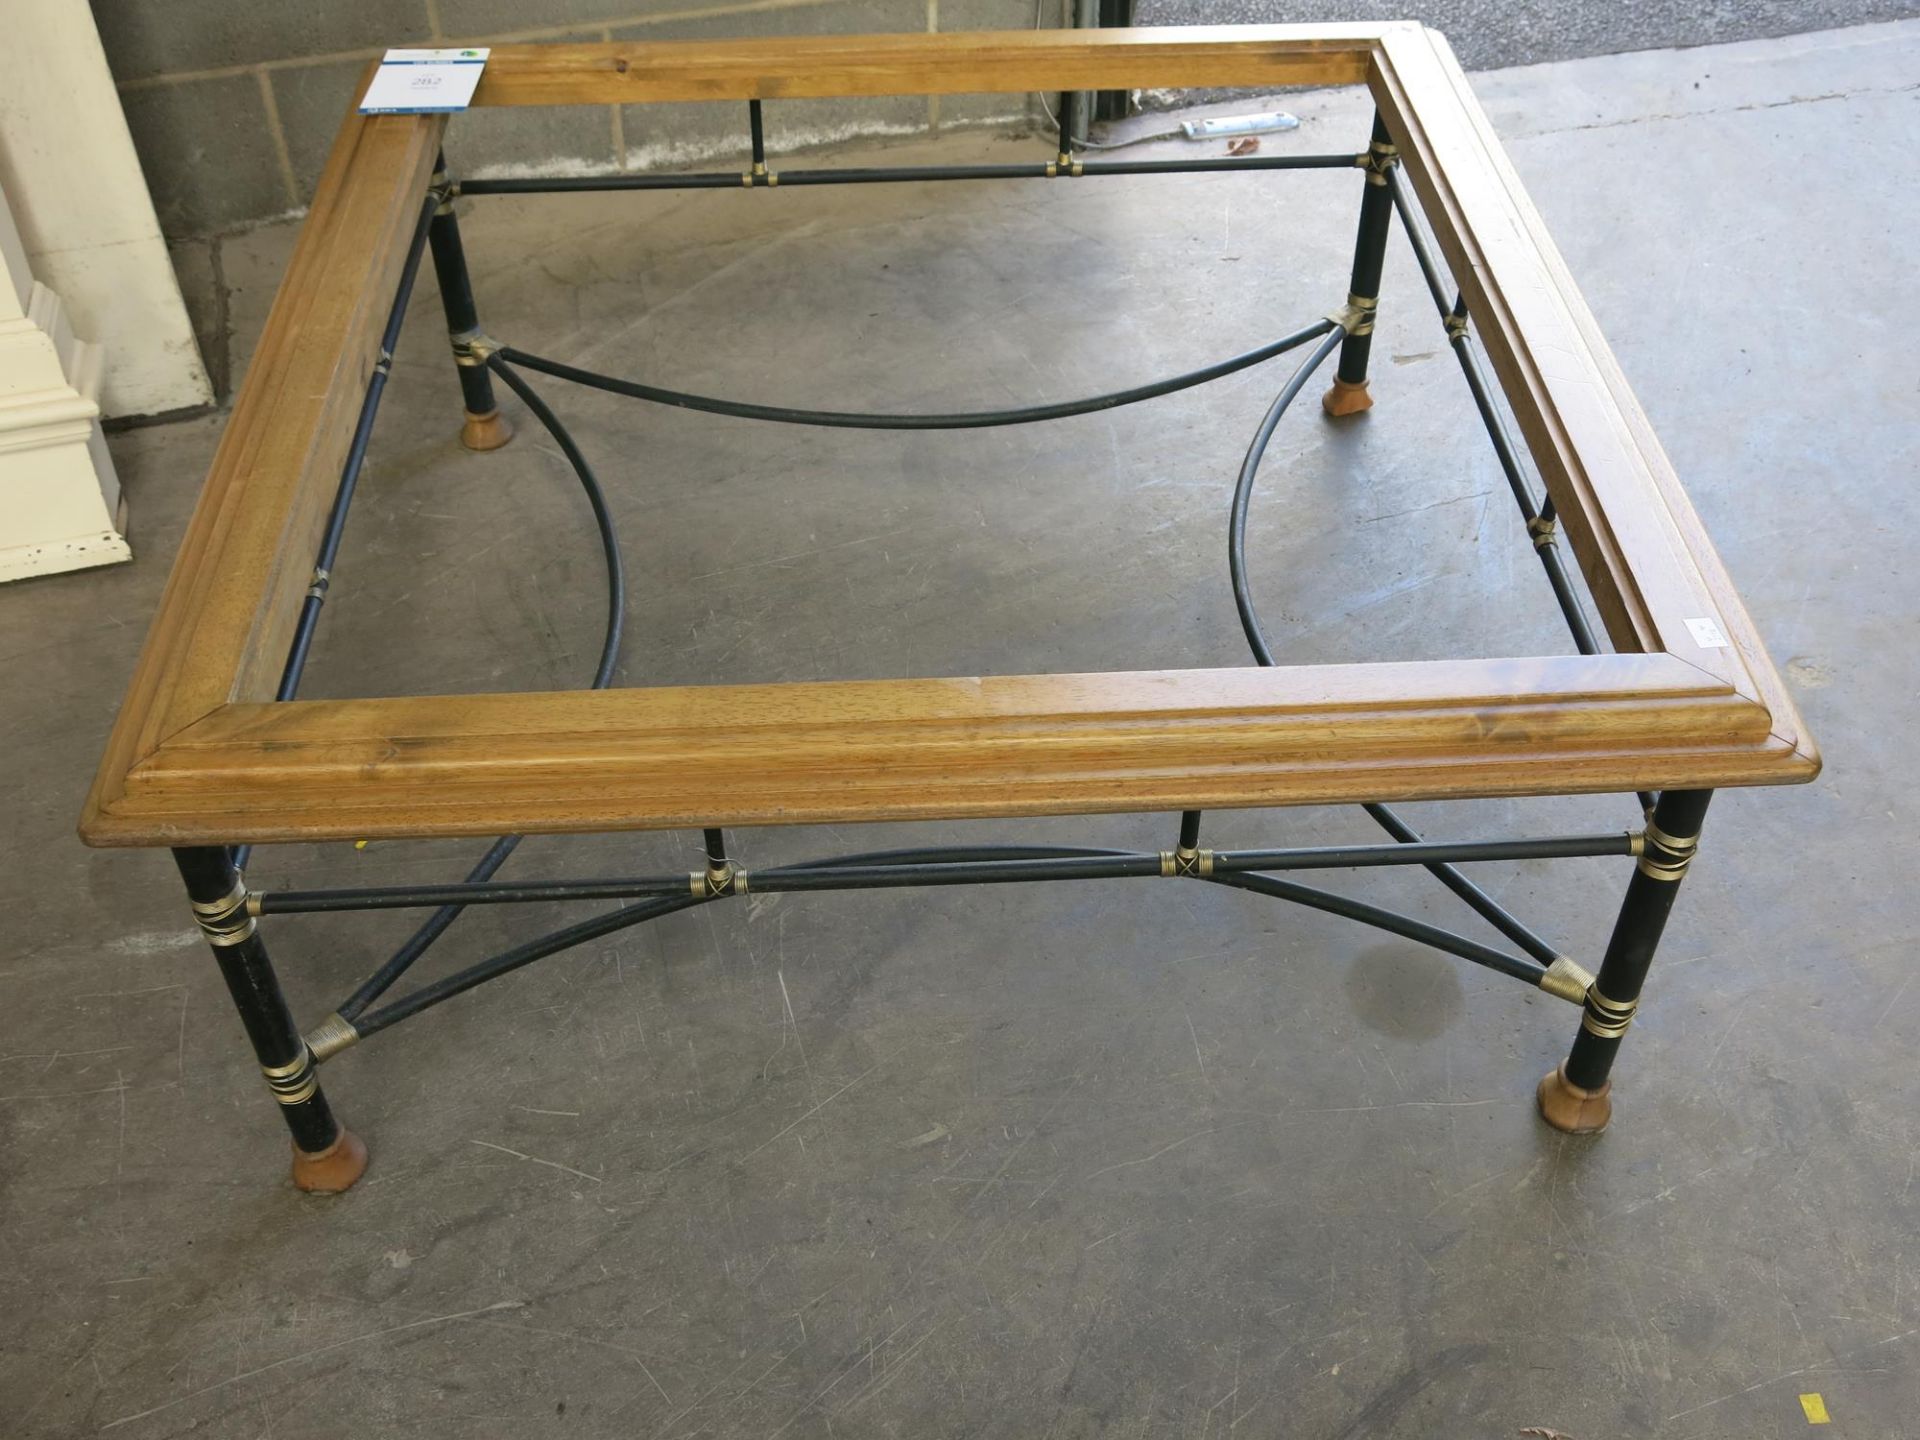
[{"x": 233, "y": 104}]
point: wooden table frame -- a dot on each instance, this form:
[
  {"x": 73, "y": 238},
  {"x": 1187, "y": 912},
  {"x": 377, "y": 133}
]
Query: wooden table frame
[{"x": 210, "y": 751}]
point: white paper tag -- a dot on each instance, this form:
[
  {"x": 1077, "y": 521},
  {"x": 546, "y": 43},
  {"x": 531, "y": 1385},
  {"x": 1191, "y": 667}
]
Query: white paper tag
[
  {"x": 424, "y": 82},
  {"x": 1707, "y": 634}
]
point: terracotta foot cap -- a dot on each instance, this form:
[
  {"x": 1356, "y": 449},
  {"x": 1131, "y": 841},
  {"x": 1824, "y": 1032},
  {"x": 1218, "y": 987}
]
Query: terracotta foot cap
[
  {"x": 1346, "y": 398},
  {"x": 333, "y": 1169},
  {"x": 485, "y": 432},
  {"x": 1565, "y": 1106}
]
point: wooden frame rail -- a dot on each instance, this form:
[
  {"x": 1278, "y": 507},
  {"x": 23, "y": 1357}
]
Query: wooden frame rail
[{"x": 201, "y": 753}]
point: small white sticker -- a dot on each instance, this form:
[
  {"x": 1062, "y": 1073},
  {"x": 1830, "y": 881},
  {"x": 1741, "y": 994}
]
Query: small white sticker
[
  {"x": 424, "y": 82},
  {"x": 1707, "y": 634}
]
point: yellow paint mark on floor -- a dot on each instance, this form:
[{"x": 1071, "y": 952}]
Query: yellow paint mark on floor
[{"x": 1816, "y": 1409}]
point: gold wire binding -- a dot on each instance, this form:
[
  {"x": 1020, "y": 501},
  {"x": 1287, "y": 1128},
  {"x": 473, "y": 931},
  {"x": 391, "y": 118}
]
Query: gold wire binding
[
  {"x": 439, "y": 186},
  {"x": 1456, "y": 327},
  {"x": 1077, "y": 169},
  {"x": 228, "y": 920},
  {"x": 1053, "y": 168},
  {"x": 1666, "y": 857},
  {"x": 1356, "y": 316},
  {"x": 317, "y": 588},
  {"x": 384, "y": 365},
  {"x": 472, "y": 347},
  {"x": 331, "y": 1036},
  {"x": 1379, "y": 159},
  {"x": 1566, "y": 979},
  {"x": 1655, "y": 835},
  {"x": 1607, "y": 1019},
  {"x": 1544, "y": 531},
  {"x": 717, "y": 880},
  {"x": 294, "y": 1082},
  {"x": 1186, "y": 864}
]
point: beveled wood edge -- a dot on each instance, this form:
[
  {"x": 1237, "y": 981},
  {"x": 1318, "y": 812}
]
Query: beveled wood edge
[
  {"x": 1757, "y": 676},
  {"x": 225, "y": 616},
  {"x": 169, "y": 725},
  {"x": 944, "y": 63},
  {"x": 671, "y": 757}
]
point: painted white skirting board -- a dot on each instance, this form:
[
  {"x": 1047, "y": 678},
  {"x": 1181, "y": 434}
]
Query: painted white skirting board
[{"x": 60, "y": 503}]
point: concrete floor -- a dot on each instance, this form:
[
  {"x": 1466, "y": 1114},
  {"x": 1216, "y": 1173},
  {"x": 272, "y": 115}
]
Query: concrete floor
[
  {"x": 1093, "y": 1159},
  {"x": 1487, "y": 33}
]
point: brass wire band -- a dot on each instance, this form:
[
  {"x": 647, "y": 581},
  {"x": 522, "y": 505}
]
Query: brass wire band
[
  {"x": 445, "y": 191},
  {"x": 1666, "y": 857},
  {"x": 1456, "y": 327},
  {"x": 712, "y": 883},
  {"x": 1671, "y": 871},
  {"x": 1655, "y": 835},
  {"x": 1566, "y": 979},
  {"x": 1607, "y": 1019},
  {"x": 1356, "y": 316},
  {"x": 384, "y": 365},
  {"x": 331, "y": 1036},
  {"x": 228, "y": 920},
  {"x": 1545, "y": 532},
  {"x": 1186, "y": 864},
  {"x": 1379, "y": 159},
  {"x": 317, "y": 588},
  {"x": 472, "y": 347},
  {"x": 293, "y": 1083},
  {"x": 1636, "y": 844}
]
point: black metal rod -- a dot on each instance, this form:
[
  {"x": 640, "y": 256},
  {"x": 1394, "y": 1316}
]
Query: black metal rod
[
  {"x": 1535, "y": 515},
  {"x": 1189, "y": 829},
  {"x": 1388, "y": 920},
  {"x": 330, "y": 541},
  {"x": 980, "y": 865},
  {"x": 1243, "y": 494},
  {"x": 309, "y": 618},
  {"x": 758, "y": 135},
  {"x": 1497, "y": 915},
  {"x": 422, "y": 939},
  {"x": 1488, "y": 908},
  {"x": 213, "y": 884},
  {"x": 1369, "y": 258},
  {"x": 627, "y": 916},
  {"x": 715, "y": 842},
  {"x": 902, "y": 174},
  {"x": 456, "y": 298},
  {"x": 463, "y": 980},
  {"x": 966, "y": 420},
  {"x": 1671, "y": 839}
]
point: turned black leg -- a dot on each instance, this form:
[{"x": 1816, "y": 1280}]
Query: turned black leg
[
  {"x": 1577, "y": 1096},
  {"x": 485, "y": 427},
  {"x": 326, "y": 1157},
  {"x": 1349, "y": 393}
]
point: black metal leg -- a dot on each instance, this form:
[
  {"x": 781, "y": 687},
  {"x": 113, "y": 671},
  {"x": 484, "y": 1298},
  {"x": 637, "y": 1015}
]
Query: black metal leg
[
  {"x": 1577, "y": 1096},
  {"x": 485, "y": 428},
  {"x": 326, "y": 1157},
  {"x": 1349, "y": 393}
]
